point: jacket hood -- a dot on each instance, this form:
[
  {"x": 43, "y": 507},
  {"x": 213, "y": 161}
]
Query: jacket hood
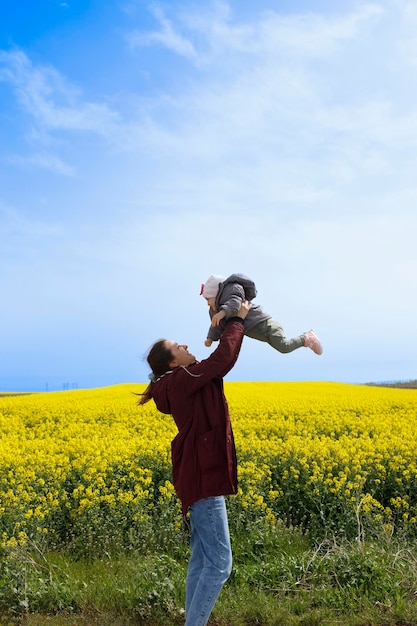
[
  {"x": 246, "y": 282},
  {"x": 163, "y": 386},
  {"x": 160, "y": 393}
]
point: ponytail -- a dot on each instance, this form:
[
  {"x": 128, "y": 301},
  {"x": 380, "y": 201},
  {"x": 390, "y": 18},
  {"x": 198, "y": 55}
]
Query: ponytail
[{"x": 159, "y": 359}]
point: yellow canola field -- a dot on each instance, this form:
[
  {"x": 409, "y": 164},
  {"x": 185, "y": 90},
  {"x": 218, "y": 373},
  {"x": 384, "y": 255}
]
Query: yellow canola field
[{"x": 90, "y": 463}]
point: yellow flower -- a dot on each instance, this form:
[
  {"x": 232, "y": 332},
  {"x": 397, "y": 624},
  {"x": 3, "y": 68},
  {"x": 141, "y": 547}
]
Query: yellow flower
[{"x": 307, "y": 452}]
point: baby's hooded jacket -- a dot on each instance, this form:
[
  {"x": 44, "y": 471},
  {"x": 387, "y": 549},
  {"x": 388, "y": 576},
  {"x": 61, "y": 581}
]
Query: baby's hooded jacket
[{"x": 232, "y": 292}]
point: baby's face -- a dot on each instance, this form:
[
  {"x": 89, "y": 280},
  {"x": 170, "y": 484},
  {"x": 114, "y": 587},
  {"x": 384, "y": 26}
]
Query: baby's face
[{"x": 212, "y": 303}]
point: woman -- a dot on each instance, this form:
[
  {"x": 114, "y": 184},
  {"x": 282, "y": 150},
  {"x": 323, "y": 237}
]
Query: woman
[{"x": 204, "y": 464}]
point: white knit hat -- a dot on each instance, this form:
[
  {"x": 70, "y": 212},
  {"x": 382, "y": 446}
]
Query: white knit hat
[{"x": 210, "y": 288}]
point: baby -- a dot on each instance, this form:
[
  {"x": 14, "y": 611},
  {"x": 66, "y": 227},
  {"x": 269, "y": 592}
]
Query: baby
[{"x": 224, "y": 297}]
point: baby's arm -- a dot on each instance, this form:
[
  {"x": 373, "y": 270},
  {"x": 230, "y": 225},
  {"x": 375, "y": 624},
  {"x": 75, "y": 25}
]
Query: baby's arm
[
  {"x": 214, "y": 334},
  {"x": 217, "y": 317},
  {"x": 234, "y": 301}
]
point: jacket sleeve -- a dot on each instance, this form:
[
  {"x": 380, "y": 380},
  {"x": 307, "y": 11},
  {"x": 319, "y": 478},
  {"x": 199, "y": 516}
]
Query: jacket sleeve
[
  {"x": 214, "y": 332},
  {"x": 233, "y": 300},
  {"x": 218, "y": 364}
]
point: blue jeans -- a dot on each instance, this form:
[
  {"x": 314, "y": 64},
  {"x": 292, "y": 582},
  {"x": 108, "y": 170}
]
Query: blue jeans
[{"x": 210, "y": 563}]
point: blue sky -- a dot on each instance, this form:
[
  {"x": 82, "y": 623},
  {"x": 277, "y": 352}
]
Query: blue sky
[{"x": 146, "y": 146}]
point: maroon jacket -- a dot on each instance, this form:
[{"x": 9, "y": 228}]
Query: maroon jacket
[{"x": 203, "y": 452}]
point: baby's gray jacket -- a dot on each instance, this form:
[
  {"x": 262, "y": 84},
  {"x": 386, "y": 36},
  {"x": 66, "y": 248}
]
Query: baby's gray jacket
[{"x": 232, "y": 292}]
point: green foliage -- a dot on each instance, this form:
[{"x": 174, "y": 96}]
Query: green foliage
[
  {"x": 323, "y": 527},
  {"x": 279, "y": 577}
]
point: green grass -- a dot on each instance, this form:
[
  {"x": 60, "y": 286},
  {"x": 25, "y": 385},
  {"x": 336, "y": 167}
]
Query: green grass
[{"x": 279, "y": 578}]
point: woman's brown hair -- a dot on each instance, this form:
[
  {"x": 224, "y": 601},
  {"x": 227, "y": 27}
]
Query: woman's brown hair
[{"x": 159, "y": 359}]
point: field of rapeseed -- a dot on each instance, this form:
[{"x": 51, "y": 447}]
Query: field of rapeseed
[{"x": 89, "y": 469}]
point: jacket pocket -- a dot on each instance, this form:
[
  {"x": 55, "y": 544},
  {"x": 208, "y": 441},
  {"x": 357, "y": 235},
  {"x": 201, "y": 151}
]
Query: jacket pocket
[{"x": 211, "y": 452}]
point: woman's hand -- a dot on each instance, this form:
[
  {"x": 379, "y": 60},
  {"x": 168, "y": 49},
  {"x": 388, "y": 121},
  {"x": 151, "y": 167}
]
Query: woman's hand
[
  {"x": 208, "y": 342},
  {"x": 245, "y": 307}
]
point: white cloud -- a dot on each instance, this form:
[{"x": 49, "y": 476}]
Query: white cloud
[
  {"x": 166, "y": 37},
  {"x": 205, "y": 34},
  {"x": 55, "y": 109},
  {"x": 44, "y": 161},
  {"x": 287, "y": 103},
  {"x": 269, "y": 105},
  {"x": 312, "y": 36},
  {"x": 52, "y": 102}
]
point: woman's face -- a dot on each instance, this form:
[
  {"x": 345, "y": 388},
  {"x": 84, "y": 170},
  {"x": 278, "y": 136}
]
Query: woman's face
[{"x": 180, "y": 354}]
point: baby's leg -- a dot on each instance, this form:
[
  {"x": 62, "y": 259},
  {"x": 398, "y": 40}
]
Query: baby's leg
[{"x": 273, "y": 333}]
